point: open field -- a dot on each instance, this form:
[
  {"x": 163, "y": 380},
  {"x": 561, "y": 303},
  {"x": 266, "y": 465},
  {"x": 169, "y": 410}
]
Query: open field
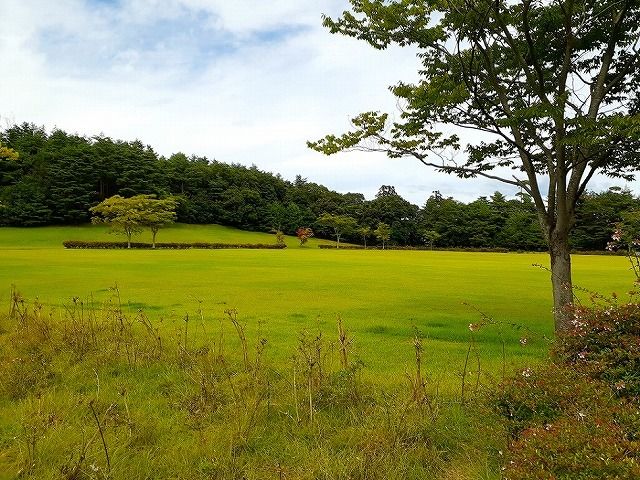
[
  {"x": 380, "y": 295},
  {"x": 103, "y": 393}
]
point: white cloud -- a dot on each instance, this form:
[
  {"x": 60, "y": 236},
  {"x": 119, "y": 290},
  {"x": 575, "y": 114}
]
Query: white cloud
[{"x": 240, "y": 81}]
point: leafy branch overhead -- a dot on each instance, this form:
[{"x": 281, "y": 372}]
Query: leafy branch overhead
[{"x": 552, "y": 86}]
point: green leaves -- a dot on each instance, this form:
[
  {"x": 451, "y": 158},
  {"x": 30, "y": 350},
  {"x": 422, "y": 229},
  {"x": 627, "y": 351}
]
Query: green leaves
[
  {"x": 130, "y": 215},
  {"x": 558, "y": 107},
  {"x": 340, "y": 224},
  {"x": 382, "y": 233},
  {"x": 7, "y": 153},
  {"x": 367, "y": 125}
]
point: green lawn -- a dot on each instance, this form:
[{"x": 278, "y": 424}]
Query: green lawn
[
  {"x": 380, "y": 295},
  {"x": 106, "y": 397}
]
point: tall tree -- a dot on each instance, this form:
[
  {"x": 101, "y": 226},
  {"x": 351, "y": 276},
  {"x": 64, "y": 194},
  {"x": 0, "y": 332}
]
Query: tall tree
[{"x": 554, "y": 86}]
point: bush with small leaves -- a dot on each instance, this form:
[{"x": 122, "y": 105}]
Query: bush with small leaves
[{"x": 604, "y": 343}]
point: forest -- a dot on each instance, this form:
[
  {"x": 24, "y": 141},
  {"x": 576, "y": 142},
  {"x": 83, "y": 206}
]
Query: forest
[{"x": 58, "y": 176}]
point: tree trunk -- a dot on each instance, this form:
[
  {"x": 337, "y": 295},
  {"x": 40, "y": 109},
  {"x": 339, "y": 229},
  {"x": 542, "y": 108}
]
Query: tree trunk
[
  {"x": 338, "y": 241},
  {"x": 153, "y": 238},
  {"x": 561, "y": 279}
]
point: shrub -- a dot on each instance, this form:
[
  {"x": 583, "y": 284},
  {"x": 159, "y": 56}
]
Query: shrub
[
  {"x": 170, "y": 246},
  {"x": 397, "y": 247},
  {"x": 567, "y": 419},
  {"x": 592, "y": 447},
  {"x": 22, "y": 375},
  {"x": 540, "y": 396},
  {"x": 604, "y": 343}
]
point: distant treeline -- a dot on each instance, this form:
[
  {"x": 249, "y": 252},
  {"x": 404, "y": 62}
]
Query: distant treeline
[{"x": 58, "y": 176}]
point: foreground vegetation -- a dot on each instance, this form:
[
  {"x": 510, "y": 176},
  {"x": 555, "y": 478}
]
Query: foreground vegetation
[
  {"x": 102, "y": 394},
  {"x": 579, "y": 417}
]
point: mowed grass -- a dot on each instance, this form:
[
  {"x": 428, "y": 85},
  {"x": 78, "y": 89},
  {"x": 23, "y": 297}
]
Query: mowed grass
[
  {"x": 381, "y": 296},
  {"x": 97, "y": 394},
  {"x": 52, "y": 237}
]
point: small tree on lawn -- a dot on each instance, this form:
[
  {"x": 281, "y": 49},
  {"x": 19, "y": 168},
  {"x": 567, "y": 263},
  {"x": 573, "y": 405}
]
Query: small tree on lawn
[
  {"x": 383, "y": 233},
  {"x": 156, "y": 213},
  {"x": 123, "y": 215},
  {"x": 280, "y": 238},
  {"x": 430, "y": 237},
  {"x": 365, "y": 232},
  {"x": 340, "y": 224},
  {"x": 128, "y": 216},
  {"x": 304, "y": 234}
]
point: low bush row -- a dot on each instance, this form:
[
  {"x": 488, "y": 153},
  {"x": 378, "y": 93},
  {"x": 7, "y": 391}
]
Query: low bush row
[
  {"x": 469, "y": 249},
  {"x": 615, "y": 253},
  {"x": 170, "y": 246}
]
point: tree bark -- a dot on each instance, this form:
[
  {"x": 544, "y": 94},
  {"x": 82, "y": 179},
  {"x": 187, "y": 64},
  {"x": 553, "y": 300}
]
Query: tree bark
[
  {"x": 560, "y": 255},
  {"x": 153, "y": 236}
]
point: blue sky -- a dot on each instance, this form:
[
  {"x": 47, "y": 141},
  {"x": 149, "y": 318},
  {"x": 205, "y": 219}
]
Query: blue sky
[{"x": 246, "y": 81}]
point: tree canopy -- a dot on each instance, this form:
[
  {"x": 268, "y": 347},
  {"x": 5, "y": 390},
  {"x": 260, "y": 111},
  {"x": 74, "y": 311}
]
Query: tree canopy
[
  {"x": 129, "y": 216},
  {"x": 339, "y": 224},
  {"x": 552, "y": 85}
]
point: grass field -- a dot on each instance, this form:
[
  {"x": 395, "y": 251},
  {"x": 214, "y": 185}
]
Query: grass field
[
  {"x": 380, "y": 295},
  {"x": 107, "y": 395}
]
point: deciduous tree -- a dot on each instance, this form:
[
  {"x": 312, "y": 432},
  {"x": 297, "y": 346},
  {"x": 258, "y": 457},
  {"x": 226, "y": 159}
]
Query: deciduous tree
[
  {"x": 304, "y": 234},
  {"x": 340, "y": 224},
  {"x": 554, "y": 87},
  {"x": 123, "y": 215},
  {"x": 129, "y": 216},
  {"x": 364, "y": 232},
  {"x": 430, "y": 237},
  {"x": 158, "y": 213},
  {"x": 383, "y": 233}
]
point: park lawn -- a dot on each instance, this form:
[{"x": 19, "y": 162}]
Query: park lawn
[
  {"x": 194, "y": 410},
  {"x": 381, "y": 296}
]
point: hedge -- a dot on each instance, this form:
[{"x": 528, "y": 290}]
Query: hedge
[
  {"x": 454, "y": 249},
  {"x": 169, "y": 246}
]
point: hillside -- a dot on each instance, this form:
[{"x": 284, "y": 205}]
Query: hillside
[{"x": 53, "y": 236}]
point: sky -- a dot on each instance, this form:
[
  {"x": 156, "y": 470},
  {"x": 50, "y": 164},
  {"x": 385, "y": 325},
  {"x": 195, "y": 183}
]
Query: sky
[{"x": 239, "y": 81}]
